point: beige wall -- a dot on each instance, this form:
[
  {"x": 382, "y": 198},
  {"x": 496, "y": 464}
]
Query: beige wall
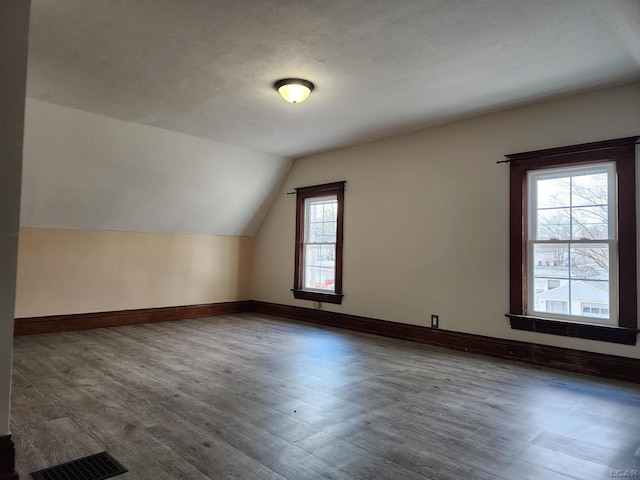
[
  {"x": 78, "y": 271},
  {"x": 426, "y": 216},
  {"x": 117, "y": 215}
]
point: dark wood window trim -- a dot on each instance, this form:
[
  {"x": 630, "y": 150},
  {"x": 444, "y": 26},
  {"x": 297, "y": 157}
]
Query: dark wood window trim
[
  {"x": 622, "y": 152},
  {"x": 603, "y": 333},
  {"x": 303, "y": 193}
]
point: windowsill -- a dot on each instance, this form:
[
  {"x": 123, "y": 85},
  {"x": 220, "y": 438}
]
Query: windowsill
[
  {"x": 603, "y": 333},
  {"x": 317, "y": 296}
]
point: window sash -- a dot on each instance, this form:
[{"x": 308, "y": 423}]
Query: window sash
[
  {"x": 535, "y": 176},
  {"x": 319, "y": 271},
  {"x": 570, "y": 281}
]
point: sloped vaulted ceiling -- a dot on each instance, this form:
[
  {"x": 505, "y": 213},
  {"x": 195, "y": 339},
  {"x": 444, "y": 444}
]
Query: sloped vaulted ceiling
[
  {"x": 204, "y": 69},
  {"x": 89, "y": 172}
]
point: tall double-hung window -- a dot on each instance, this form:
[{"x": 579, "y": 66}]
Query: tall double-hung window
[
  {"x": 318, "y": 260},
  {"x": 573, "y": 246},
  {"x": 573, "y": 243}
]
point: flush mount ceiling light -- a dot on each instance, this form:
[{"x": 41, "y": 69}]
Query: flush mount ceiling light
[{"x": 294, "y": 90}]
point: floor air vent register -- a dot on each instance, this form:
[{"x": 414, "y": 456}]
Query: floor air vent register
[{"x": 94, "y": 467}]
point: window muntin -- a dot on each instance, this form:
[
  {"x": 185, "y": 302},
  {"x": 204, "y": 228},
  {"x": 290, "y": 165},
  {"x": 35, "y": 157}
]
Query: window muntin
[{"x": 572, "y": 241}]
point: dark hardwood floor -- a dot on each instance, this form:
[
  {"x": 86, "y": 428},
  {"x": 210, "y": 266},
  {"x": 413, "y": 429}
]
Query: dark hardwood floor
[{"x": 249, "y": 396}]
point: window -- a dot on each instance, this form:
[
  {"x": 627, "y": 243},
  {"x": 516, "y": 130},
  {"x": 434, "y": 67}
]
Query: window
[
  {"x": 573, "y": 241},
  {"x": 570, "y": 239},
  {"x": 318, "y": 261}
]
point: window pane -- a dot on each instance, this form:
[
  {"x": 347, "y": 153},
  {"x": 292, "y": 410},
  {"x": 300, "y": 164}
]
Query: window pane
[
  {"x": 551, "y": 260},
  {"x": 590, "y": 189},
  {"x": 555, "y": 300},
  {"x": 321, "y": 219},
  {"x": 320, "y": 278},
  {"x": 324, "y": 232},
  {"x": 572, "y": 204},
  {"x": 319, "y": 262},
  {"x": 311, "y": 276},
  {"x": 554, "y": 224},
  {"x": 329, "y": 231},
  {"x": 554, "y": 192},
  {"x": 590, "y": 299},
  {"x": 571, "y": 280},
  {"x": 320, "y": 232},
  {"x": 591, "y": 223},
  {"x": 590, "y": 262}
]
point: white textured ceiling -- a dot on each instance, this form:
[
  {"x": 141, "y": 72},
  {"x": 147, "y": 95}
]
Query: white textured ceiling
[{"x": 381, "y": 67}]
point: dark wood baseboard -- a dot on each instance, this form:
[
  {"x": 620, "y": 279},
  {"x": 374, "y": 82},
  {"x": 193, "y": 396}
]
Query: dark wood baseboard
[
  {"x": 82, "y": 321},
  {"x": 7, "y": 459},
  {"x": 610, "y": 366}
]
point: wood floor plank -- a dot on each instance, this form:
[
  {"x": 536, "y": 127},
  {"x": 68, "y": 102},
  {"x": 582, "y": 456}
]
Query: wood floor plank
[
  {"x": 61, "y": 440},
  {"x": 211, "y": 455},
  {"x": 562, "y": 465},
  {"x": 30, "y": 458},
  {"x": 620, "y": 459},
  {"x": 356, "y": 460},
  {"x": 251, "y": 396}
]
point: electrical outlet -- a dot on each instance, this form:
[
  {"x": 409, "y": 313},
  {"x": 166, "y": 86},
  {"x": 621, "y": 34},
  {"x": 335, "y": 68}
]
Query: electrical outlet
[{"x": 435, "y": 320}]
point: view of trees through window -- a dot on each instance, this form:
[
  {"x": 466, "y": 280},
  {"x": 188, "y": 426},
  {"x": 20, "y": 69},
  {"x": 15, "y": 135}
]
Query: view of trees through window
[{"x": 571, "y": 240}]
